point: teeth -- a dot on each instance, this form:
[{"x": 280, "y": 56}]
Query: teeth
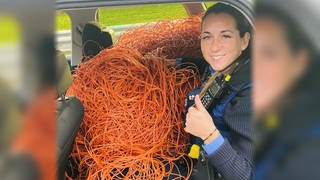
[{"x": 217, "y": 57}]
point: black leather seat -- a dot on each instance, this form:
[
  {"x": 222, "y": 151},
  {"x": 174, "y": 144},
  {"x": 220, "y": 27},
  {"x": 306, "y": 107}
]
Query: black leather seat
[{"x": 69, "y": 115}]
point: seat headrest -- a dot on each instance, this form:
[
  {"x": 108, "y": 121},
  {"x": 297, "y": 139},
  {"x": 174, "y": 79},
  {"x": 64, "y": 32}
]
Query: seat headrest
[{"x": 63, "y": 73}]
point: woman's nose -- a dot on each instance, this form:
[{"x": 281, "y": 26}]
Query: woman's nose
[{"x": 215, "y": 45}]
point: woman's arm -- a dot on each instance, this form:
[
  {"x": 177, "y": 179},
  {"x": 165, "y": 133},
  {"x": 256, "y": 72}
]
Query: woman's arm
[{"x": 234, "y": 158}]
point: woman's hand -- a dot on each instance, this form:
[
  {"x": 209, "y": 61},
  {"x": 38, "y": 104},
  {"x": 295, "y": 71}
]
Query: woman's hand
[{"x": 198, "y": 121}]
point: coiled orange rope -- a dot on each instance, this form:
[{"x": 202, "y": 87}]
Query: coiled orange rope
[
  {"x": 170, "y": 38},
  {"x": 133, "y": 125}
]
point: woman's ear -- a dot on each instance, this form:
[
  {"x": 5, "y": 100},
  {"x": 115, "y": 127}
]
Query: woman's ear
[
  {"x": 245, "y": 41},
  {"x": 302, "y": 61}
]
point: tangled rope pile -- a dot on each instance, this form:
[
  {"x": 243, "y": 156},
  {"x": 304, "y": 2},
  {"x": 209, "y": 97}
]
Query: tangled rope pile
[
  {"x": 133, "y": 126},
  {"x": 170, "y": 38}
]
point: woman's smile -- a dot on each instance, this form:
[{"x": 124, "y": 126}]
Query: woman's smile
[
  {"x": 221, "y": 43},
  {"x": 217, "y": 57}
]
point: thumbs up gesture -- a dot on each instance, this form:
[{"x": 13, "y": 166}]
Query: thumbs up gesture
[{"x": 198, "y": 121}]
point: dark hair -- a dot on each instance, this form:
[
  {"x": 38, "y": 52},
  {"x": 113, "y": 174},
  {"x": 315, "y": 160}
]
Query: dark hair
[
  {"x": 296, "y": 38},
  {"x": 242, "y": 23}
]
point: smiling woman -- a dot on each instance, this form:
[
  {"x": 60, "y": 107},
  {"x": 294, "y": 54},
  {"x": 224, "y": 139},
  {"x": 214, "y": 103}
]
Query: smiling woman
[
  {"x": 225, "y": 130},
  {"x": 222, "y": 43},
  {"x": 286, "y": 91}
]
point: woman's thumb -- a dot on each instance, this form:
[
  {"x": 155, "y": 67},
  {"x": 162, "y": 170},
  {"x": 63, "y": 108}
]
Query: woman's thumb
[{"x": 198, "y": 103}]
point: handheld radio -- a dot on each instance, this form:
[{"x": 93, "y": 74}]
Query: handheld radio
[{"x": 212, "y": 93}]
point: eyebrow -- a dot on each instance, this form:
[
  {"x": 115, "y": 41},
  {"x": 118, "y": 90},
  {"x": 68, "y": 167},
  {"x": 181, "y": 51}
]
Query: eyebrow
[
  {"x": 206, "y": 32},
  {"x": 223, "y": 31},
  {"x": 227, "y": 31}
]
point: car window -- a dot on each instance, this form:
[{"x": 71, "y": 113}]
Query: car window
[
  {"x": 62, "y": 21},
  {"x": 111, "y": 16},
  {"x": 10, "y": 50},
  {"x": 9, "y": 31}
]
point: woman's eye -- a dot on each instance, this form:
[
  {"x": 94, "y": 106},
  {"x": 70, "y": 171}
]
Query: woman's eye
[
  {"x": 269, "y": 53},
  {"x": 226, "y": 36},
  {"x": 205, "y": 37}
]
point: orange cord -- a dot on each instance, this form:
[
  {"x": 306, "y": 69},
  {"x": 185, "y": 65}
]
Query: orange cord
[
  {"x": 177, "y": 38},
  {"x": 134, "y": 96},
  {"x": 133, "y": 126}
]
